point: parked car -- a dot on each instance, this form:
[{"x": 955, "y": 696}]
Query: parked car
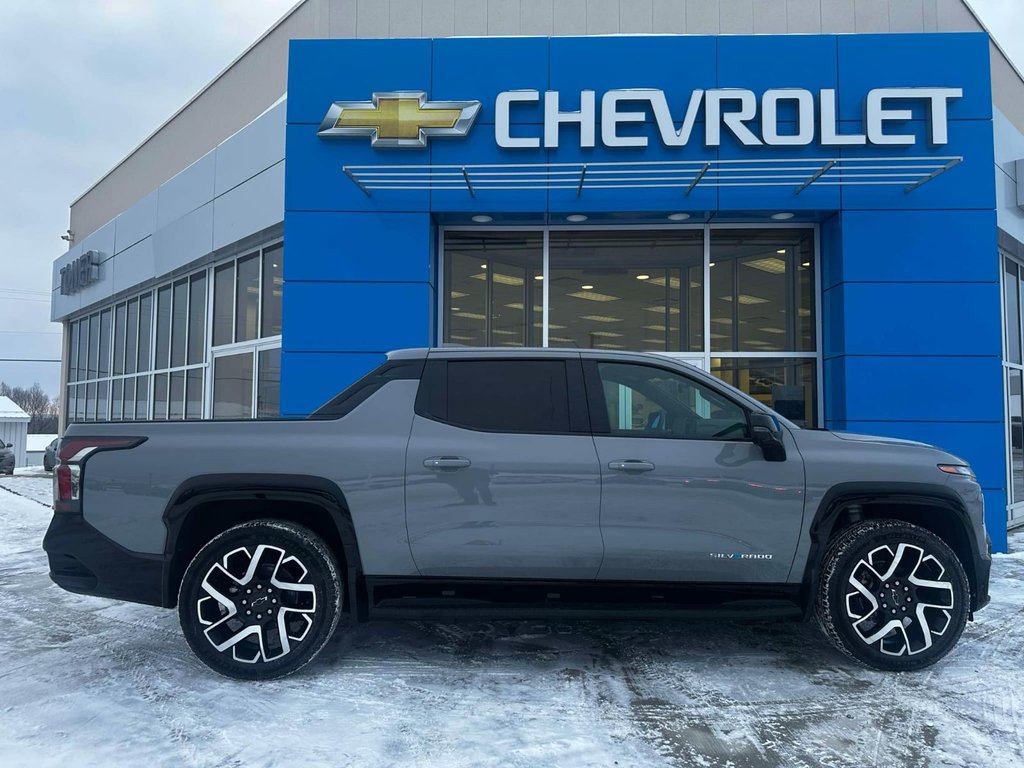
[
  {"x": 520, "y": 483},
  {"x": 6, "y": 458},
  {"x": 50, "y": 455}
]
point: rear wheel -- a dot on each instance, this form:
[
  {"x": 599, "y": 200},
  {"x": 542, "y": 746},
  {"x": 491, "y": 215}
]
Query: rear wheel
[
  {"x": 892, "y": 595},
  {"x": 260, "y": 600}
]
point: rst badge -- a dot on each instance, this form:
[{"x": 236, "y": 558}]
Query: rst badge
[{"x": 399, "y": 119}]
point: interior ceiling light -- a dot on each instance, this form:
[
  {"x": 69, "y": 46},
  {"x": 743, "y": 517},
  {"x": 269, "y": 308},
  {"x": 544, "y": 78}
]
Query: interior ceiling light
[
  {"x": 784, "y": 216},
  {"x": 746, "y": 298},
  {"x": 501, "y": 332},
  {"x": 768, "y": 264},
  {"x": 482, "y": 218},
  {"x": 655, "y": 327},
  {"x": 592, "y": 296},
  {"x": 803, "y": 312},
  {"x": 660, "y": 280},
  {"x": 609, "y": 346},
  {"x": 806, "y": 264},
  {"x": 587, "y": 287},
  {"x": 643, "y": 277},
  {"x": 483, "y": 266},
  {"x": 678, "y": 216},
  {"x": 500, "y": 278},
  {"x": 606, "y": 334},
  {"x": 711, "y": 264},
  {"x": 772, "y": 330},
  {"x": 538, "y": 277},
  {"x": 781, "y": 251},
  {"x": 457, "y": 294},
  {"x": 471, "y": 315},
  {"x": 660, "y": 308},
  {"x": 601, "y": 318},
  {"x": 576, "y": 217}
]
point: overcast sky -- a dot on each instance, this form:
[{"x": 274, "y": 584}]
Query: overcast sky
[{"x": 82, "y": 82}]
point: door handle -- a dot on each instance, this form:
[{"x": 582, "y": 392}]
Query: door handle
[
  {"x": 446, "y": 462},
  {"x": 631, "y": 465}
]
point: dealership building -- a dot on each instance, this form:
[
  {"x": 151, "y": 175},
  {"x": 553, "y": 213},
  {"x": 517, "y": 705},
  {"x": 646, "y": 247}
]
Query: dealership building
[{"x": 814, "y": 200}]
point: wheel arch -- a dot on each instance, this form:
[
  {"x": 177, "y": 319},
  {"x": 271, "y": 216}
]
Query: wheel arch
[
  {"x": 206, "y": 505},
  {"x": 932, "y": 507}
]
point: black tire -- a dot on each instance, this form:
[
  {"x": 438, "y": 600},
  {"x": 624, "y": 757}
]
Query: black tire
[
  {"x": 889, "y": 619},
  {"x": 241, "y": 619}
]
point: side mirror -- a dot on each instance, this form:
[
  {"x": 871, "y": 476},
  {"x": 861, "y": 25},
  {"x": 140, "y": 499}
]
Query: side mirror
[
  {"x": 767, "y": 436},
  {"x": 10, "y": 445}
]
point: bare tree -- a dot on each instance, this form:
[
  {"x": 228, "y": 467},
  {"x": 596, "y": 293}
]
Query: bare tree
[{"x": 36, "y": 403}]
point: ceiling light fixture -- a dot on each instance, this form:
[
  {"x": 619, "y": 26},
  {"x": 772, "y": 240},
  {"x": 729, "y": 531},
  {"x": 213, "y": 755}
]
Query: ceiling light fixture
[
  {"x": 643, "y": 277},
  {"x": 587, "y": 287},
  {"x": 576, "y": 217},
  {"x": 538, "y": 277},
  {"x": 483, "y": 218},
  {"x": 678, "y": 216},
  {"x": 806, "y": 264},
  {"x": 781, "y": 250},
  {"x": 711, "y": 264},
  {"x": 785, "y": 216}
]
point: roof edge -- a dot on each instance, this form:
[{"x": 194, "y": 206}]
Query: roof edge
[
  {"x": 992, "y": 38},
  {"x": 288, "y": 14}
]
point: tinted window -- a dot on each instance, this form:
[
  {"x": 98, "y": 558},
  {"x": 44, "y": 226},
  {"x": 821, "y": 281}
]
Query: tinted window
[
  {"x": 645, "y": 401},
  {"x": 508, "y": 395},
  {"x": 197, "y": 318}
]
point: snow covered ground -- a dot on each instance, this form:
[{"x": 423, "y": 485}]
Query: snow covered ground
[{"x": 85, "y": 681}]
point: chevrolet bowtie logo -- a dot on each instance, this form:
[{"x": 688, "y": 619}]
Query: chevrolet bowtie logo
[{"x": 399, "y": 119}]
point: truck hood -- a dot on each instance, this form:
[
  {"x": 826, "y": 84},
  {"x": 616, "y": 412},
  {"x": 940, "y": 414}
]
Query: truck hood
[{"x": 879, "y": 439}]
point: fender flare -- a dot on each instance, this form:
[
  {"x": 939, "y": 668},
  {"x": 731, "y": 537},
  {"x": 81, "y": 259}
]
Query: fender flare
[
  {"x": 204, "y": 489},
  {"x": 839, "y": 496}
]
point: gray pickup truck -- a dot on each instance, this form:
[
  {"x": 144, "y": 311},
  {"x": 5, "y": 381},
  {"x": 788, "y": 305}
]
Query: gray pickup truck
[{"x": 520, "y": 483}]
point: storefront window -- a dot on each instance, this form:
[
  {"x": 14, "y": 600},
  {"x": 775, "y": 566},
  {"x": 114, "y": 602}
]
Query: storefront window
[
  {"x": 232, "y": 386},
  {"x": 268, "y": 384},
  {"x": 787, "y": 386},
  {"x": 493, "y": 289},
  {"x": 639, "y": 290},
  {"x": 762, "y": 290},
  {"x": 113, "y": 350},
  {"x": 644, "y": 289}
]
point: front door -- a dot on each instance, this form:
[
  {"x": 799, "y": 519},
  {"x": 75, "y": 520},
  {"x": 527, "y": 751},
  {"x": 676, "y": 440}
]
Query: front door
[
  {"x": 686, "y": 495},
  {"x": 502, "y": 478}
]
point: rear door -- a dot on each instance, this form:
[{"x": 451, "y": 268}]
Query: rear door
[
  {"x": 686, "y": 495},
  {"x": 502, "y": 477}
]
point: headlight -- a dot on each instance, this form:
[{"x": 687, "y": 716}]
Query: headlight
[{"x": 958, "y": 469}]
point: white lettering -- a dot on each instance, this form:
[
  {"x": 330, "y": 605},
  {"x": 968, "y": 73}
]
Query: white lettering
[
  {"x": 670, "y": 137},
  {"x": 611, "y": 117},
  {"x": 734, "y": 121},
  {"x": 830, "y": 123},
  {"x": 770, "y": 118},
  {"x": 878, "y": 116},
  {"x": 503, "y": 122},
  {"x": 553, "y": 119},
  {"x": 734, "y": 108}
]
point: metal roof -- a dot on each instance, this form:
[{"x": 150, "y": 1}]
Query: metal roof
[{"x": 9, "y": 410}]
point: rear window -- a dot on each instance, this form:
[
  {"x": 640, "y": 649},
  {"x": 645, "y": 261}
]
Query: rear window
[
  {"x": 345, "y": 402},
  {"x": 497, "y": 395}
]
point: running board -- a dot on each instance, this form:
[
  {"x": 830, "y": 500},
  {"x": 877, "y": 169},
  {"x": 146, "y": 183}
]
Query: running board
[{"x": 487, "y": 599}]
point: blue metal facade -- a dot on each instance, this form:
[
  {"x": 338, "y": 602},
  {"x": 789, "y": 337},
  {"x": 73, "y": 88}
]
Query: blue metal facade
[{"x": 910, "y": 306}]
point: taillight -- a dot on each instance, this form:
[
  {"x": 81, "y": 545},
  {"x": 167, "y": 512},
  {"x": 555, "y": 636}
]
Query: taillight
[{"x": 71, "y": 455}]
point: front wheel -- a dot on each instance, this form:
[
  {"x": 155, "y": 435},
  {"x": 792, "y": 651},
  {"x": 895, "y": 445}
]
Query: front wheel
[
  {"x": 892, "y": 595},
  {"x": 260, "y": 600}
]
